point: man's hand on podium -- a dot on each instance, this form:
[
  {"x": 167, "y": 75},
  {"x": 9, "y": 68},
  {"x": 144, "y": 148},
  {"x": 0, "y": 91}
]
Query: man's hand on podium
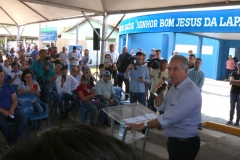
[{"x": 136, "y": 127}]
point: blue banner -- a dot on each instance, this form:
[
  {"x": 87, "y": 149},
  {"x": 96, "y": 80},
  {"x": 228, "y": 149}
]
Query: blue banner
[
  {"x": 48, "y": 34},
  {"x": 195, "y": 21}
]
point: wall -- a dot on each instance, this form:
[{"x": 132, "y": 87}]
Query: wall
[
  {"x": 209, "y": 54},
  {"x": 145, "y": 41},
  {"x": 85, "y": 37},
  {"x": 223, "y": 55}
]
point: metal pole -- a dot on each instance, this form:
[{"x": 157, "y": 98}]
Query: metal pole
[
  {"x": 5, "y": 44},
  {"x": 8, "y": 32},
  {"x": 91, "y": 25},
  {"x": 76, "y": 35},
  {"x": 115, "y": 27},
  {"x": 104, "y": 37},
  {"x": 39, "y": 36}
]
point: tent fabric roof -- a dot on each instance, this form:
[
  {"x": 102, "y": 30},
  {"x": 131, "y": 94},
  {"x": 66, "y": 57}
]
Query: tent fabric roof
[{"x": 21, "y": 12}]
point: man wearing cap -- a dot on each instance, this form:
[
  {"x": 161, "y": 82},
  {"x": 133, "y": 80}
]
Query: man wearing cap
[
  {"x": 114, "y": 55},
  {"x": 74, "y": 57},
  {"x": 153, "y": 54},
  {"x": 105, "y": 91},
  {"x": 157, "y": 75},
  {"x": 85, "y": 93},
  {"x": 139, "y": 76}
]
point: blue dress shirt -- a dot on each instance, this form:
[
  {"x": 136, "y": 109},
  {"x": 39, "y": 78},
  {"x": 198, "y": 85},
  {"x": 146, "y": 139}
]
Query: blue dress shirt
[
  {"x": 135, "y": 85},
  {"x": 182, "y": 110},
  {"x": 197, "y": 76}
]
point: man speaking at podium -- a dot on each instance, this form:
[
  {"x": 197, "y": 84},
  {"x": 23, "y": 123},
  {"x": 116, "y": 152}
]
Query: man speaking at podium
[{"x": 182, "y": 112}]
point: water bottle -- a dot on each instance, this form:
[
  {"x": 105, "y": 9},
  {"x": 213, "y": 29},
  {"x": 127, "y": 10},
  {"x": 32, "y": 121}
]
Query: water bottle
[{"x": 121, "y": 128}]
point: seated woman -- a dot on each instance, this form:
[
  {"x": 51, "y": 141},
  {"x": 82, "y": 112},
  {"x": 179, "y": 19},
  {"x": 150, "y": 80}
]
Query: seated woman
[
  {"x": 58, "y": 70},
  {"x": 79, "y": 68},
  {"x": 85, "y": 93},
  {"x": 24, "y": 65},
  {"x": 107, "y": 65},
  {"x": 90, "y": 77},
  {"x": 30, "y": 86}
]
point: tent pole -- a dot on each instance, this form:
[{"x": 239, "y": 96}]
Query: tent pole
[{"x": 104, "y": 37}]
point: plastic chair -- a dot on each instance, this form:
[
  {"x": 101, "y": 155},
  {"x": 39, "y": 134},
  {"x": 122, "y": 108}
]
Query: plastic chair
[
  {"x": 15, "y": 87},
  {"x": 84, "y": 111},
  {"x": 118, "y": 95},
  {"x": 26, "y": 108}
]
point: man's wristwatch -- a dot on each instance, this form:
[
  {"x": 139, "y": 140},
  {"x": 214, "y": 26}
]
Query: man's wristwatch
[{"x": 145, "y": 124}]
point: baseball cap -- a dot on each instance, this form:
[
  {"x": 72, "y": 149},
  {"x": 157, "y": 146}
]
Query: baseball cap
[
  {"x": 106, "y": 73},
  {"x": 153, "y": 49},
  {"x": 59, "y": 65}
]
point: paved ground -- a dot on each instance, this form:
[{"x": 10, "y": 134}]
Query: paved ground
[{"x": 214, "y": 145}]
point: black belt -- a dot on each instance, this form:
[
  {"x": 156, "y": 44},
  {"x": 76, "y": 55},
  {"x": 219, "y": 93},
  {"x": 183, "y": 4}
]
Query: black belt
[{"x": 182, "y": 139}]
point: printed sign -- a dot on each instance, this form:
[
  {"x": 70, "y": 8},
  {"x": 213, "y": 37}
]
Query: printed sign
[
  {"x": 198, "y": 21},
  {"x": 48, "y": 34}
]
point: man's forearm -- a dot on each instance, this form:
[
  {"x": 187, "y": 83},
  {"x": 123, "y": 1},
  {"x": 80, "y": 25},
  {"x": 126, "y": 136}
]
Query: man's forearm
[
  {"x": 14, "y": 104},
  {"x": 235, "y": 82},
  {"x": 126, "y": 72},
  {"x": 158, "y": 101},
  {"x": 154, "y": 124},
  {"x": 112, "y": 96},
  {"x": 102, "y": 97},
  {"x": 2, "y": 110}
]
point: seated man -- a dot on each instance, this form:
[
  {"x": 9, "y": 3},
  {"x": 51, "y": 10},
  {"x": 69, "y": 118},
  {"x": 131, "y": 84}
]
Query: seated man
[
  {"x": 8, "y": 113},
  {"x": 105, "y": 90},
  {"x": 85, "y": 93},
  {"x": 15, "y": 74},
  {"x": 75, "y": 75},
  {"x": 64, "y": 86}
]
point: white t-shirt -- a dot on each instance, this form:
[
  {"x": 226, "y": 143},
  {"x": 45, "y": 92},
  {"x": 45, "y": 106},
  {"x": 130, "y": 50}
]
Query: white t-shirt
[
  {"x": 77, "y": 57},
  {"x": 64, "y": 58},
  {"x": 6, "y": 69},
  {"x": 17, "y": 80},
  {"x": 114, "y": 55}
]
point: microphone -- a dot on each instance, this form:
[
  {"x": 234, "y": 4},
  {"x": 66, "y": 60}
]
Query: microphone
[{"x": 168, "y": 80}]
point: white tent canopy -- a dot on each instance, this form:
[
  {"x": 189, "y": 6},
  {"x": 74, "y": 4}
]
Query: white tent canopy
[{"x": 15, "y": 12}]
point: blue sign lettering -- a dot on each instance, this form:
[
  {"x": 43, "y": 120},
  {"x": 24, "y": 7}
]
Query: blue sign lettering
[{"x": 198, "y": 21}]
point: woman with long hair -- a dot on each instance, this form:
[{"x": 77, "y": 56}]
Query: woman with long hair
[
  {"x": 90, "y": 77},
  {"x": 85, "y": 60},
  {"x": 107, "y": 65}
]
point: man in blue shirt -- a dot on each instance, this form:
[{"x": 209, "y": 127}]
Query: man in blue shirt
[
  {"x": 8, "y": 99},
  {"x": 35, "y": 53},
  {"x": 196, "y": 74},
  {"x": 43, "y": 73},
  {"x": 182, "y": 112},
  {"x": 139, "y": 75}
]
